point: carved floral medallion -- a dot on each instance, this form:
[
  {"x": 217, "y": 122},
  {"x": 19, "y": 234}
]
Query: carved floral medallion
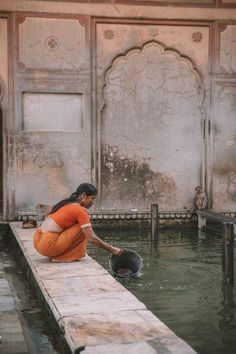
[
  {"x": 52, "y": 43},
  {"x": 197, "y": 37},
  {"x": 109, "y": 34}
]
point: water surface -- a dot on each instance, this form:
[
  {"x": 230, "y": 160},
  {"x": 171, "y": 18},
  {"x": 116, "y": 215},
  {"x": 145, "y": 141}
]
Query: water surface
[
  {"x": 181, "y": 283},
  {"x": 36, "y": 325}
]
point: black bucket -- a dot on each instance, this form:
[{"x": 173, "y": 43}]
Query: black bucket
[{"x": 127, "y": 265}]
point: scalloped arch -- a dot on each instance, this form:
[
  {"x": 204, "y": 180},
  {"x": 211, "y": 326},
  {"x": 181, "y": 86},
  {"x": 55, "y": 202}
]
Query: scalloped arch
[{"x": 142, "y": 51}]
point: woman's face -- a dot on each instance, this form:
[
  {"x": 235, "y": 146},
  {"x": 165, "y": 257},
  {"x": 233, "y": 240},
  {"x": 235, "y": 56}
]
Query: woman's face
[{"x": 87, "y": 200}]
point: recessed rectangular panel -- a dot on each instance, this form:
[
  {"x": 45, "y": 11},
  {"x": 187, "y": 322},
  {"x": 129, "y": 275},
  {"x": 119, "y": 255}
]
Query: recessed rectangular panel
[
  {"x": 52, "y": 44},
  {"x": 52, "y": 112}
]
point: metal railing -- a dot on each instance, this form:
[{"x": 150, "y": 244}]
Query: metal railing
[{"x": 229, "y": 232}]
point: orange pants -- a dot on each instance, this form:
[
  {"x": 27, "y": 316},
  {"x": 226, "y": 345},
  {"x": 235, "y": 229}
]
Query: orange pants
[{"x": 68, "y": 245}]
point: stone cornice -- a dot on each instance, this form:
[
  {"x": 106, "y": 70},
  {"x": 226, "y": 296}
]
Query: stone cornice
[{"x": 116, "y": 10}]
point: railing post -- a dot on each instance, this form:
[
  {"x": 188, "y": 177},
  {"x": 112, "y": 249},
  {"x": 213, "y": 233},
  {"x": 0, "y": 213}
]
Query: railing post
[
  {"x": 228, "y": 253},
  {"x": 154, "y": 221}
]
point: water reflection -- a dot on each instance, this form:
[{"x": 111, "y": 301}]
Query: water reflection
[
  {"x": 154, "y": 251},
  {"x": 228, "y": 311}
]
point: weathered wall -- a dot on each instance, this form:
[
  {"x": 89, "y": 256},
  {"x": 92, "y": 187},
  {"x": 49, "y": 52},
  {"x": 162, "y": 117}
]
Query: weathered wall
[
  {"x": 53, "y": 132},
  {"x": 139, "y": 100},
  {"x": 7, "y": 193},
  {"x": 224, "y": 140}
]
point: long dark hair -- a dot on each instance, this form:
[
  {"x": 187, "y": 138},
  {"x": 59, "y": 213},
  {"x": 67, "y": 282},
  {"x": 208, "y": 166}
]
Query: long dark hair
[{"x": 86, "y": 188}]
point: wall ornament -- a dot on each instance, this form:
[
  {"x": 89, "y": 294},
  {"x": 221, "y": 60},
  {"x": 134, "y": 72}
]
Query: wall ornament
[
  {"x": 197, "y": 37},
  {"x": 153, "y": 31},
  {"x": 108, "y": 34},
  {"x": 52, "y": 43}
]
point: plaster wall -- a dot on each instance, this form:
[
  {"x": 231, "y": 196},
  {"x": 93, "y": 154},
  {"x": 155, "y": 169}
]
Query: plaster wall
[
  {"x": 6, "y": 177},
  {"x": 224, "y": 168},
  {"x": 53, "y": 129},
  {"x": 224, "y": 121},
  {"x": 139, "y": 100}
]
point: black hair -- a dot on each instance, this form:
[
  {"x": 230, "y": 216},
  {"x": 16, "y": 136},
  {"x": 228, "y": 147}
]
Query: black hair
[{"x": 86, "y": 188}]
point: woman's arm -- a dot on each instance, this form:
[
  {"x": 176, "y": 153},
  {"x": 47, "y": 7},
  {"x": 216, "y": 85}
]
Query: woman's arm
[{"x": 90, "y": 235}]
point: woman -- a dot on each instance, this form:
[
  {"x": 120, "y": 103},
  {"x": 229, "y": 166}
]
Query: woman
[{"x": 64, "y": 233}]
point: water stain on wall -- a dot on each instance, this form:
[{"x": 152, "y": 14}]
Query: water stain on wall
[
  {"x": 34, "y": 154},
  {"x": 231, "y": 189},
  {"x": 40, "y": 172},
  {"x": 130, "y": 181},
  {"x": 225, "y": 171}
]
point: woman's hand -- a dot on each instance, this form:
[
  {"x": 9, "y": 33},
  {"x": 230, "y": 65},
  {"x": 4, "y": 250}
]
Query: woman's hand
[
  {"x": 116, "y": 251},
  {"x": 90, "y": 235}
]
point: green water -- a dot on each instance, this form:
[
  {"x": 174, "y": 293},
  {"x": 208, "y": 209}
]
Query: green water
[
  {"x": 181, "y": 283},
  {"x": 37, "y": 329}
]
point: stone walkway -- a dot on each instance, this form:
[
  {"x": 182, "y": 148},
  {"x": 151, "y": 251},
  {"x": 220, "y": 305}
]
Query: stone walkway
[{"x": 95, "y": 312}]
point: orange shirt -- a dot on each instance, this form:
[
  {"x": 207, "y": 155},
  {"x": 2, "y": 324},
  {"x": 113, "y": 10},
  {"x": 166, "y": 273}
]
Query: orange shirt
[{"x": 71, "y": 214}]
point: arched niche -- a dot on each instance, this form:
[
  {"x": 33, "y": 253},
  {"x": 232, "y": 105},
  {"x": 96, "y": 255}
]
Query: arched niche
[{"x": 151, "y": 122}]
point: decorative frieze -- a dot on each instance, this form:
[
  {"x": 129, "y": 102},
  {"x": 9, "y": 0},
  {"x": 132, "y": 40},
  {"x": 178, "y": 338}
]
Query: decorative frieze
[{"x": 124, "y": 219}]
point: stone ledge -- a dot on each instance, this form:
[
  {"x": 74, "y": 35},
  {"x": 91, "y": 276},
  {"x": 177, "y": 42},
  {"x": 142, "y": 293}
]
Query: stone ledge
[
  {"x": 94, "y": 312},
  {"x": 128, "y": 218}
]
